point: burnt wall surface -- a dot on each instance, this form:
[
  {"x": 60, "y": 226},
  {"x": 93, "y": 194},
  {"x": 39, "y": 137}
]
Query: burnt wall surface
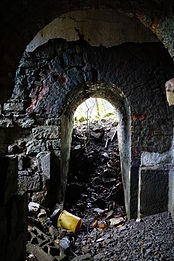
[
  {"x": 51, "y": 78},
  {"x": 58, "y": 76},
  {"x": 20, "y": 22}
]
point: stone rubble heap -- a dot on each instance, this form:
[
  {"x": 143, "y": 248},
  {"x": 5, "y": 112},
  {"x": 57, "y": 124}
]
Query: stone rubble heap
[{"x": 94, "y": 193}]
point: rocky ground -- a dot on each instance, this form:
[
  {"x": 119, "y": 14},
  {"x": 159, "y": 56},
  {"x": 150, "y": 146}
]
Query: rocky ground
[
  {"x": 95, "y": 194},
  {"x": 150, "y": 239},
  {"x": 95, "y": 174}
]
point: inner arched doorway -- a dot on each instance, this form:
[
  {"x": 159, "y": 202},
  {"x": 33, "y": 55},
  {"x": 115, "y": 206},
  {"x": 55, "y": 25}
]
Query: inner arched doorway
[{"x": 114, "y": 95}]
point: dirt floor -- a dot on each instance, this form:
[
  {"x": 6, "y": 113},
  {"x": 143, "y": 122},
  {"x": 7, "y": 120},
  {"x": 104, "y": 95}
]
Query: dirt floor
[{"x": 95, "y": 193}]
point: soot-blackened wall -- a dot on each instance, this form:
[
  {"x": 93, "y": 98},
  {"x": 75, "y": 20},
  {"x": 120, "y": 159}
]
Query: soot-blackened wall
[
  {"x": 20, "y": 22},
  {"x": 51, "y": 78}
]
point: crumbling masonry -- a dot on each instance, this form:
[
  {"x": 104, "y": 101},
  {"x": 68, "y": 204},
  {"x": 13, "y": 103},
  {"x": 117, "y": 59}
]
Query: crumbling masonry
[{"x": 54, "y": 76}]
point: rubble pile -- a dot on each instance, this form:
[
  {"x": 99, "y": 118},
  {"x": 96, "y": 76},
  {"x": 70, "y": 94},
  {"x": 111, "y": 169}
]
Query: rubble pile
[
  {"x": 94, "y": 189},
  {"x": 99, "y": 231},
  {"x": 47, "y": 241},
  {"x": 94, "y": 193},
  {"x": 94, "y": 171}
]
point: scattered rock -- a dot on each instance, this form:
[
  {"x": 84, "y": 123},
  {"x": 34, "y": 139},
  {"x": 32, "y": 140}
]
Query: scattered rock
[
  {"x": 109, "y": 214},
  {"x": 46, "y": 132},
  {"x": 13, "y": 106},
  {"x": 116, "y": 221},
  {"x": 33, "y": 207},
  {"x": 97, "y": 135},
  {"x": 100, "y": 240},
  {"x": 102, "y": 225},
  {"x": 99, "y": 210},
  {"x": 86, "y": 257},
  {"x": 6, "y": 123},
  {"x": 27, "y": 123},
  {"x": 13, "y": 149}
]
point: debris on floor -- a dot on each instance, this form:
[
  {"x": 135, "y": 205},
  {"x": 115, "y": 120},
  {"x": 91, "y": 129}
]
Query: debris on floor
[
  {"x": 46, "y": 242},
  {"x": 94, "y": 185},
  {"x": 95, "y": 202}
]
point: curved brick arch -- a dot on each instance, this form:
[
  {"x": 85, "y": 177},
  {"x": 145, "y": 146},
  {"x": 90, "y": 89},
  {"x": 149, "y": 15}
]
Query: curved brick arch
[
  {"x": 156, "y": 15},
  {"x": 114, "y": 95}
]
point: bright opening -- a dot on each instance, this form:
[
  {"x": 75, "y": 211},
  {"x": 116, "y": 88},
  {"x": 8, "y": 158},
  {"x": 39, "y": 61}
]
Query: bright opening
[
  {"x": 94, "y": 188},
  {"x": 94, "y": 109}
]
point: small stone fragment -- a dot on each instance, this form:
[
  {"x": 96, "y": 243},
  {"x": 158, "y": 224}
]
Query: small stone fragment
[
  {"x": 86, "y": 257},
  {"x": 102, "y": 225},
  {"x": 116, "y": 221},
  {"x": 95, "y": 224},
  {"x": 99, "y": 210},
  {"x": 33, "y": 207}
]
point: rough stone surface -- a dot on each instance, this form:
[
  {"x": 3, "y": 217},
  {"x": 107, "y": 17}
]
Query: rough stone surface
[
  {"x": 29, "y": 182},
  {"x": 153, "y": 191},
  {"x": 156, "y": 15},
  {"x": 59, "y": 75},
  {"x": 24, "y": 122},
  {"x": 155, "y": 159},
  {"x": 46, "y": 132},
  {"x": 69, "y": 26},
  {"x": 13, "y": 106},
  {"x": 53, "y": 145},
  {"x": 6, "y": 123},
  {"x": 44, "y": 163},
  {"x": 35, "y": 146},
  {"x": 170, "y": 91},
  {"x": 150, "y": 239}
]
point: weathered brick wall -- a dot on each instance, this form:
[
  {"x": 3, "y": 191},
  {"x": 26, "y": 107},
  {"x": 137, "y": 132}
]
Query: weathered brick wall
[
  {"x": 17, "y": 33},
  {"x": 20, "y": 21},
  {"x": 59, "y": 75}
]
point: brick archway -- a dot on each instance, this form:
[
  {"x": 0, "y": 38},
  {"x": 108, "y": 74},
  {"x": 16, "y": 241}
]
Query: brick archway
[
  {"x": 117, "y": 99},
  {"x": 59, "y": 70}
]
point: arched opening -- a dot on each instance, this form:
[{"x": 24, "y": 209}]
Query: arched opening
[
  {"x": 119, "y": 102},
  {"x": 105, "y": 27},
  {"x": 94, "y": 188}
]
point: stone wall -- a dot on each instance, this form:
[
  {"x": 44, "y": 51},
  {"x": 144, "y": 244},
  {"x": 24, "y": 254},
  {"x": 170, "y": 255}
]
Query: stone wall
[
  {"x": 22, "y": 20},
  {"x": 54, "y": 79},
  {"x": 17, "y": 33}
]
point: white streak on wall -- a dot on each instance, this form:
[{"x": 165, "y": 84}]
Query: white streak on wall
[{"x": 154, "y": 158}]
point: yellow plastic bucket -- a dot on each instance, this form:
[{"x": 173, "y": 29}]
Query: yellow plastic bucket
[{"x": 69, "y": 221}]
